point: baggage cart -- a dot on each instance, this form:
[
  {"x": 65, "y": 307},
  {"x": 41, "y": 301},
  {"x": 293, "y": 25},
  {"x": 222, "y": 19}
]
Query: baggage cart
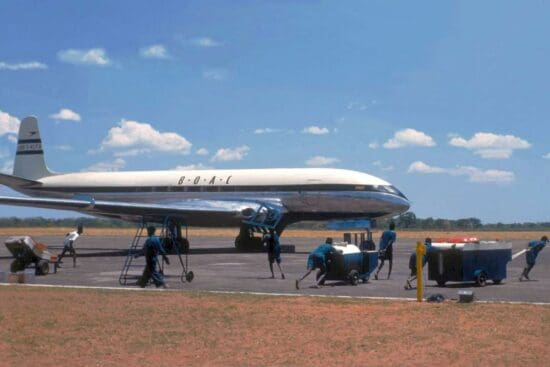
[
  {"x": 348, "y": 263},
  {"x": 26, "y": 252},
  {"x": 473, "y": 261}
]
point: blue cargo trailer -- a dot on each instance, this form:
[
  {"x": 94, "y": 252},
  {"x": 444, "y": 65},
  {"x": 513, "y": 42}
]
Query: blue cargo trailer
[
  {"x": 469, "y": 262},
  {"x": 348, "y": 263}
]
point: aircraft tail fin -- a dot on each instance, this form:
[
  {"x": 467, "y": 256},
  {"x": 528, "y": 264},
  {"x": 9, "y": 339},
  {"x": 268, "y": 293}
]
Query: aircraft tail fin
[{"x": 29, "y": 158}]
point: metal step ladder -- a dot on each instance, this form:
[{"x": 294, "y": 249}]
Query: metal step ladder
[
  {"x": 134, "y": 263},
  {"x": 133, "y": 267}
]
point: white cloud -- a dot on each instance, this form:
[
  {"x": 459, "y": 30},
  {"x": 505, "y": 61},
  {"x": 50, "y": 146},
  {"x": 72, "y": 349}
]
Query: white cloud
[
  {"x": 137, "y": 137},
  {"x": 382, "y": 167},
  {"x": 66, "y": 114},
  {"x": 474, "y": 174},
  {"x": 319, "y": 160},
  {"x": 374, "y": 145},
  {"x": 9, "y": 125},
  {"x": 546, "y": 156},
  {"x": 205, "y": 42},
  {"x": 93, "y": 56},
  {"x": 192, "y": 167},
  {"x": 214, "y": 74},
  {"x": 266, "y": 130},
  {"x": 491, "y": 146},
  {"x": 408, "y": 138},
  {"x": 31, "y": 65},
  {"x": 315, "y": 130},
  {"x": 202, "y": 151},
  {"x": 154, "y": 52},
  {"x": 230, "y": 154},
  {"x": 109, "y": 166},
  {"x": 421, "y": 167}
]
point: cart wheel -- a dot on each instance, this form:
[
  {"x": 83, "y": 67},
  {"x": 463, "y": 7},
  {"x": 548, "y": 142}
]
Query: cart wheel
[
  {"x": 497, "y": 281},
  {"x": 481, "y": 279},
  {"x": 42, "y": 267},
  {"x": 318, "y": 275},
  {"x": 17, "y": 265},
  {"x": 189, "y": 276},
  {"x": 441, "y": 282},
  {"x": 353, "y": 277}
]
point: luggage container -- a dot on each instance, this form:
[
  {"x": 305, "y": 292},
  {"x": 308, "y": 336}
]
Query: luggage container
[
  {"x": 27, "y": 252},
  {"x": 468, "y": 261},
  {"x": 348, "y": 263}
]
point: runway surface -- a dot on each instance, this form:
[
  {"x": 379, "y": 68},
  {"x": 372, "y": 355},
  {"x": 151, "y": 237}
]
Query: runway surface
[{"x": 218, "y": 267}]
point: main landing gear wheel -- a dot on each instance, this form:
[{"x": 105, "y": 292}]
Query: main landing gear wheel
[
  {"x": 189, "y": 276},
  {"x": 246, "y": 243}
]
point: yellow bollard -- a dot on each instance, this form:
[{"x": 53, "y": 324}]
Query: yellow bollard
[{"x": 420, "y": 251}]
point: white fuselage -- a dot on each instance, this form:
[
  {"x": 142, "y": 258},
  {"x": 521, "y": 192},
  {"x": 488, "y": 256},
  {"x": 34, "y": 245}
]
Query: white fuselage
[{"x": 312, "y": 193}]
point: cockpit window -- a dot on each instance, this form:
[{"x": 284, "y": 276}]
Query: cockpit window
[{"x": 393, "y": 190}]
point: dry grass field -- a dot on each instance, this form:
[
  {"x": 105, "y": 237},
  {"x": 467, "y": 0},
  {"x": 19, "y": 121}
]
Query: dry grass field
[
  {"x": 61, "y": 327},
  {"x": 296, "y": 233}
]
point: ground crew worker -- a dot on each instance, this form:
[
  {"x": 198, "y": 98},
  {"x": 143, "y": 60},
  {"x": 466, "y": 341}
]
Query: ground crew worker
[
  {"x": 385, "y": 249},
  {"x": 412, "y": 262},
  {"x": 533, "y": 249},
  {"x": 271, "y": 241},
  {"x": 68, "y": 245},
  {"x": 317, "y": 260},
  {"x": 152, "y": 248}
]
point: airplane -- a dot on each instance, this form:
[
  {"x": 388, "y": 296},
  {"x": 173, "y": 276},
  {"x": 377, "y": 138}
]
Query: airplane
[{"x": 254, "y": 200}]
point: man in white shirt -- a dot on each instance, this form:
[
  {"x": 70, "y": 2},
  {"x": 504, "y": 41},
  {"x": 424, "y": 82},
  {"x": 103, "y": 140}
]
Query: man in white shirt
[{"x": 68, "y": 245}]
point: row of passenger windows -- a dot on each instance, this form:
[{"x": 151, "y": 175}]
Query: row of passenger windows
[{"x": 233, "y": 188}]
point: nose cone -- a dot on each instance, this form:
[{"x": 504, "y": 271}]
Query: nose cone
[
  {"x": 401, "y": 205},
  {"x": 398, "y": 202}
]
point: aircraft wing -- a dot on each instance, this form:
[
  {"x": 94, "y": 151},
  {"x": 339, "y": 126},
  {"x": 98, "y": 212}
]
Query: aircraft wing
[{"x": 193, "y": 211}]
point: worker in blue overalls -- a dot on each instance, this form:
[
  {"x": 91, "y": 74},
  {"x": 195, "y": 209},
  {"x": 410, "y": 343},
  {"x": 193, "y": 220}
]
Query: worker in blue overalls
[
  {"x": 412, "y": 262},
  {"x": 317, "y": 260},
  {"x": 152, "y": 248},
  {"x": 533, "y": 249},
  {"x": 273, "y": 246},
  {"x": 385, "y": 249}
]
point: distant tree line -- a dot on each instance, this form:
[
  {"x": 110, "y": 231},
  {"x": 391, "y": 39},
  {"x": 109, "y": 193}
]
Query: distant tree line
[
  {"x": 410, "y": 221},
  {"x": 404, "y": 221}
]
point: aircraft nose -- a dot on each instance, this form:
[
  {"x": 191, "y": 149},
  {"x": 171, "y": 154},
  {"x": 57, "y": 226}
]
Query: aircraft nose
[{"x": 401, "y": 205}]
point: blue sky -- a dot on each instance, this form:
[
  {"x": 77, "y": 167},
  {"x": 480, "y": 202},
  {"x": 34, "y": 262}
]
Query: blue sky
[{"x": 447, "y": 100}]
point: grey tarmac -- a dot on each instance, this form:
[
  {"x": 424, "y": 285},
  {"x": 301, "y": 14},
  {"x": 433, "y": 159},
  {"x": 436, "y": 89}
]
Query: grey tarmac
[{"x": 219, "y": 267}]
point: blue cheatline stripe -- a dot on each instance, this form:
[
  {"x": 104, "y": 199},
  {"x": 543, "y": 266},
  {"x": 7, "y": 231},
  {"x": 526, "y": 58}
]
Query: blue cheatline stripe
[
  {"x": 29, "y": 141},
  {"x": 29, "y": 152}
]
